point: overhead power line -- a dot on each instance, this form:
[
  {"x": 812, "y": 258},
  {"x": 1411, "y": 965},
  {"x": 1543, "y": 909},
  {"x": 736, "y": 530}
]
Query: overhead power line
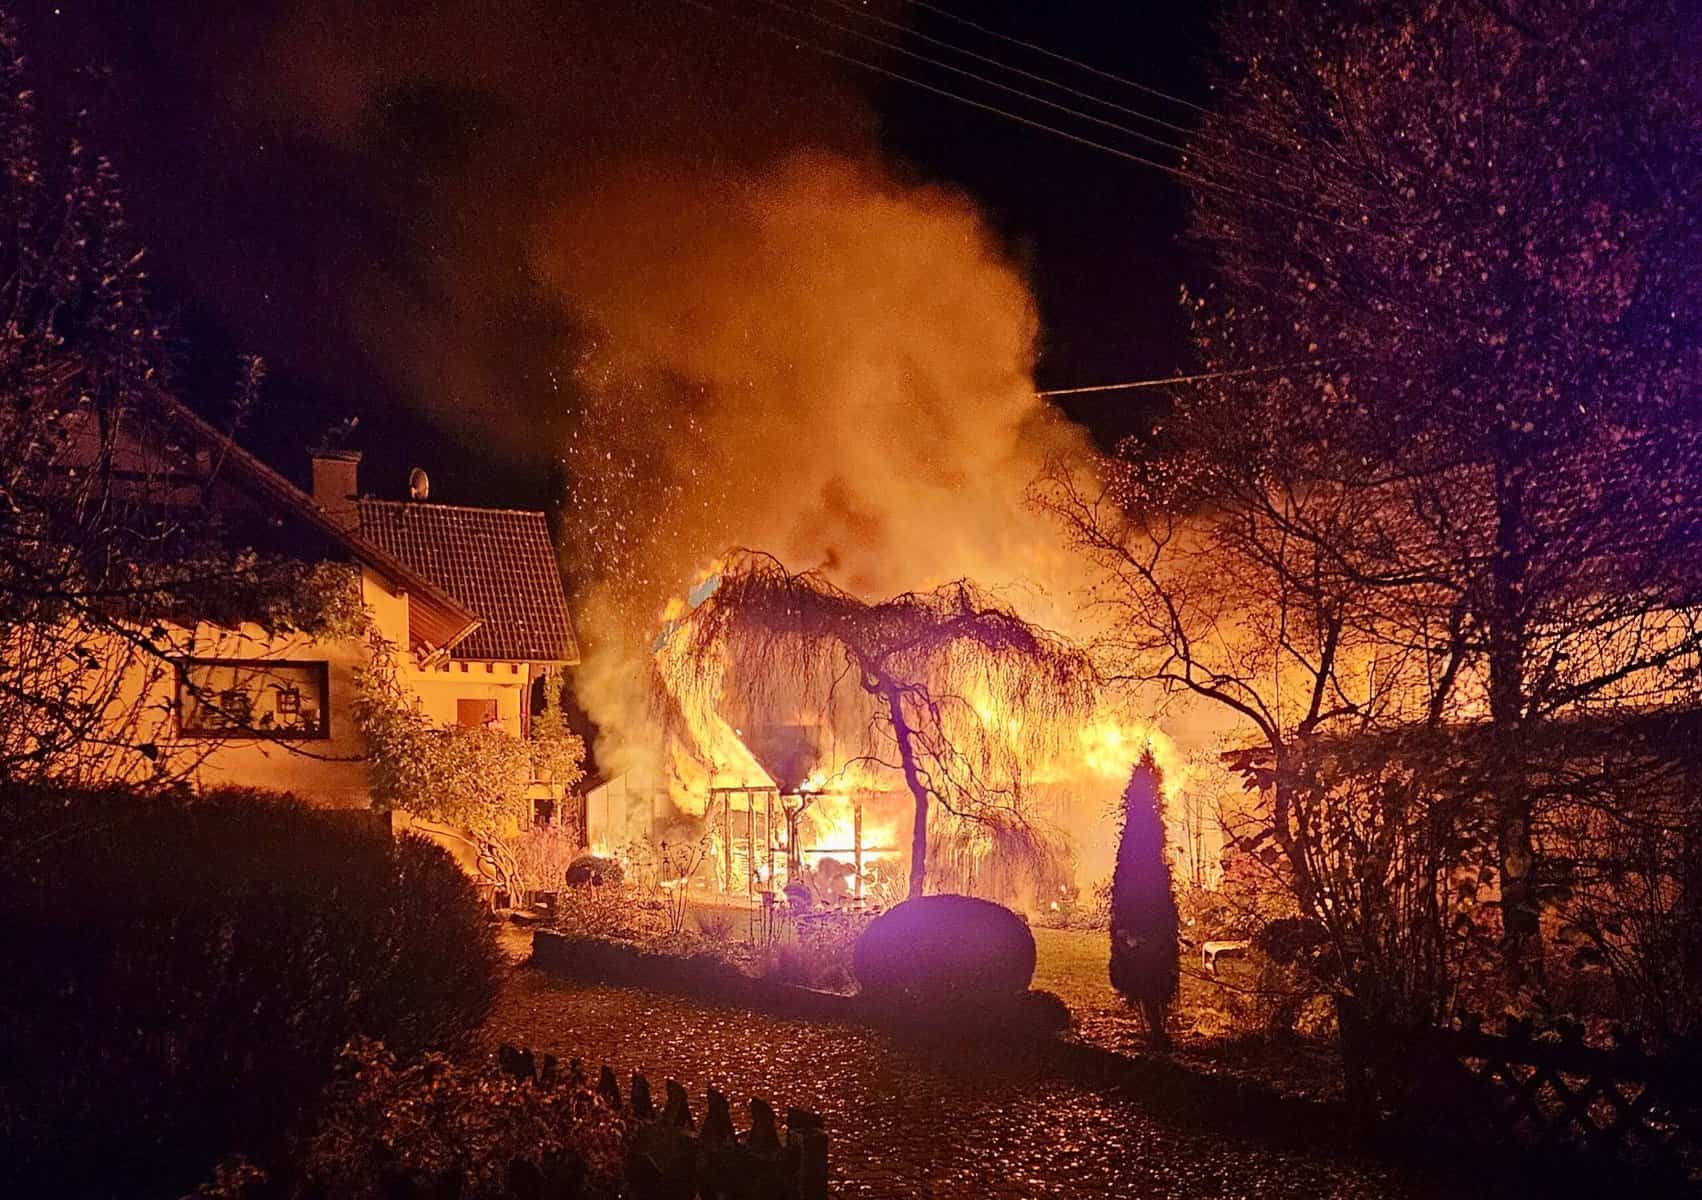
[
  {"x": 1063, "y": 58},
  {"x": 1131, "y": 385},
  {"x": 979, "y": 78},
  {"x": 852, "y": 60},
  {"x": 1201, "y": 377},
  {"x": 1238, "y": 124},
  {"x": 1038, "y": 77},
  {"x": 1128, "y": 155}
]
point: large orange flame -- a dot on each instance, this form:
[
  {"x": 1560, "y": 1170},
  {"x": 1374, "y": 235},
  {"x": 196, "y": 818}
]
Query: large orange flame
[{"x": 854, "y": 811}]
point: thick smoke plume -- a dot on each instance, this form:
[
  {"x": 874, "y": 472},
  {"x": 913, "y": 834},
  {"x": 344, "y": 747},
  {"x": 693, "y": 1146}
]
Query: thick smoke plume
[{"x": 819, "y": 361}]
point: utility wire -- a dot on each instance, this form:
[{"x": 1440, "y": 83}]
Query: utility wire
[
  {"x": 1048, "y": 80},
  {"x": 1038, "y": 49},
  {"x": 979, "y": 78},
  {"x": 1263, "y": 135},
  {"x": 962, "y": 99},
  {"x": 1135, "y": 384},
  {"x": 1128, "y": 386},
  {"x": 1178, "y": 172}
]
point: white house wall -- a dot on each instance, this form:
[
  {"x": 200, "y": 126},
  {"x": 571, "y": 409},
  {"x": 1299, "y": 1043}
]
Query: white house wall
[{"x": 330, "y": 771}]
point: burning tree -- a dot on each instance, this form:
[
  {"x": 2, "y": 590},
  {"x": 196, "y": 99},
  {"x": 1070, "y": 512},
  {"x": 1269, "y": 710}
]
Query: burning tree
[
  {"x": 1144, "y": 921},
  {"x": 947, "y": 687}
]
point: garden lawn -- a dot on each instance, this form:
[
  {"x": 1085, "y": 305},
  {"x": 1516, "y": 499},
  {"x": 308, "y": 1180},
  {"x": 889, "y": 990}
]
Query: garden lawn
[{"x": 1075, "y": 964}]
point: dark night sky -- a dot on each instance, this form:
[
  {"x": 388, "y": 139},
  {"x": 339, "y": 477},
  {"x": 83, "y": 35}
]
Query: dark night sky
[{"x": 345, "y": 188}]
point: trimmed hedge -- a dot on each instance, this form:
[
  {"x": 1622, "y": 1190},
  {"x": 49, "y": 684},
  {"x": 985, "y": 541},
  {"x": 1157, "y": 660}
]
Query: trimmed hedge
[
  {"x": 972, "y": 1014},
  {"x": 633, "y": 964},
  {"x": 182, "y": 972}
]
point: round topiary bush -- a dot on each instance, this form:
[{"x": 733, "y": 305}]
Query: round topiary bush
[
  {"x": 181, "y": 974},
  {"x": 944, "y": 950}
]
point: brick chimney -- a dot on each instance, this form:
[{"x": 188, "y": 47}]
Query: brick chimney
[{"x": 335, "y": 484}]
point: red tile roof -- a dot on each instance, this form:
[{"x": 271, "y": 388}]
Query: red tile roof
[{"x": 498, "y": 562}]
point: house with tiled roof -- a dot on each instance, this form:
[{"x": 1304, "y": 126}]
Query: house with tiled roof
[
  {"x": 471, "y": 599},
  {"x": 498, "y": 565}
]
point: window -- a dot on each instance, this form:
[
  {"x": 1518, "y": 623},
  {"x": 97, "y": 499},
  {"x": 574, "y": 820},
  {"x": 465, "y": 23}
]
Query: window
[
  {"x": 475, "y": 714},
  {"x": 253, "y": 698}
]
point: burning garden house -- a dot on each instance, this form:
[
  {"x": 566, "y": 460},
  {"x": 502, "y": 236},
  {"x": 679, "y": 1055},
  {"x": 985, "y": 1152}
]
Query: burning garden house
[
  {"x": 770, "y": 817},
  {"x": 802, "y": 734}
]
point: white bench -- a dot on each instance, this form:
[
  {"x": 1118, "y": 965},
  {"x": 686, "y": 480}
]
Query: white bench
[{"x": 1210, "y": 952}]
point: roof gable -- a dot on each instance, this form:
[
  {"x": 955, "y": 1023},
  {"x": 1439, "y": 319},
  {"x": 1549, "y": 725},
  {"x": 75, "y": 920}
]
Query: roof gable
[
  {"x": 497, "y": 562},
  {"x": 436, "y": 619}
]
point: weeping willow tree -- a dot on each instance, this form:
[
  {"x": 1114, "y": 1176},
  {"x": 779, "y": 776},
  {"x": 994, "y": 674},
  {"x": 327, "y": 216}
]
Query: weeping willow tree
[{"x": 947, "y": 688}]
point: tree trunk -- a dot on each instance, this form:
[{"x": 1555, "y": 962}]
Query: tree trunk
[
  {"x": 1154, "y": 1012},
  {"x": 907, "y": 759},
  {"x": 1521, "y": 928}
]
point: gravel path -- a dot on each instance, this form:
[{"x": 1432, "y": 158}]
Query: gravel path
[{"x": 911, "y": 1120}]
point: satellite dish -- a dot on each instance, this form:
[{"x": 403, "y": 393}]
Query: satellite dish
[{"x": 419, "y": 484}]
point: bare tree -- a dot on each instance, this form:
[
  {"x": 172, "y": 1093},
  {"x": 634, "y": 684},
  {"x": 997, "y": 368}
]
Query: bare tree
[
  {"x": 110, "y": 555},
  {"x": 1475, "y": 226},
  {"x": 1232, "y": 574},
  {"x": 947, "y": 687}
]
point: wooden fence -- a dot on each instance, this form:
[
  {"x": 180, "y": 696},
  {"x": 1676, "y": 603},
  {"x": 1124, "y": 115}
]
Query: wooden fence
[
  {"x": 676, "y": 1156},
  {"x": 1548, "y": 1090}
]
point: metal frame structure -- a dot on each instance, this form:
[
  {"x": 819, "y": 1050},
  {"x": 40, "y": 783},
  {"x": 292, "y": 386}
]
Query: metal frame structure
[{"x": 771, "y": 799}]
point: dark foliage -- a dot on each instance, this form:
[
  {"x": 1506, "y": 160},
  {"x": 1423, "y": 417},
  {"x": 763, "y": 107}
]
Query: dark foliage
[
  {"x": 1143, "y": 909},
  {"x": 1041, "y": 1011},
  {"x": 671, "y": 965},
  {"x": 110, "y": 552},
  {"x": 526, "y": 1127},
  {"x": 945, "y": 951},
  {"x": 590, "y": 870},
  {"x": 1475, "y": 224},
  {"x": 181, "y": 974},
  {"x": 1297, "y": 942},
  {"x": 826, "y": 940},
  {"x": 388, "y": 1129}
]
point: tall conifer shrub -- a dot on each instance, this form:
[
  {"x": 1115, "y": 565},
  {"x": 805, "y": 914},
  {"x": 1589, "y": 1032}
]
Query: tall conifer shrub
[{"x": 1144, "y": 922}]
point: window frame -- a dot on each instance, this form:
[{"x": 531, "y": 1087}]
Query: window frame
[
  {"x": 321, "y": 671},
  {"x": 493, "y": 712}
]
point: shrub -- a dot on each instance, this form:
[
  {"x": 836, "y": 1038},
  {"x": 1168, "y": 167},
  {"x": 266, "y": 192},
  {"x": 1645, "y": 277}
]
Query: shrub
[
  {"x": 822, "y": 957},
  {"x": 944, "y": 950},
  {"x": 544, "y": 854},
  {"x": 181, "y": 973},
  {"x": 1299, "y": 942},
  {"x": 524, "y": 1129},
  {"x": 434, "y": 1118},
  {"x": 1078, "y": 908},
  {"x": 717, "y": 925},
  {"x": 1042, "y": 1012},
  {"x": 1144, "y": 923},
  {"x": 612, "y": 911},
  {"x": 1254, "y": 998},
  {"x": 591, "y": 870}
]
